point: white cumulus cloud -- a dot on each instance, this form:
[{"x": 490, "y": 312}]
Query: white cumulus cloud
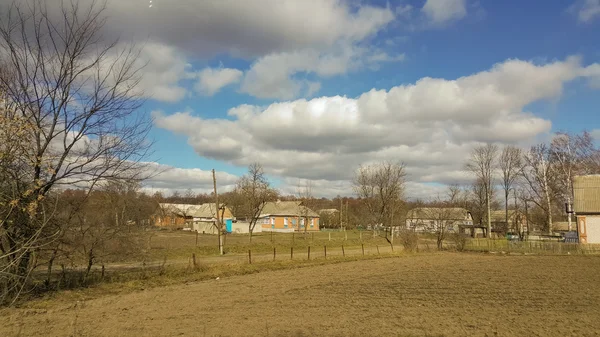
[
  {"x": 443, "y": 11},
  {"x": 430, "y": 125},
  {"x": 211, "y": 80}
]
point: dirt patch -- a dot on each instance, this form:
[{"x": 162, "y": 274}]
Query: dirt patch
[{"x": 421, "y": 295}]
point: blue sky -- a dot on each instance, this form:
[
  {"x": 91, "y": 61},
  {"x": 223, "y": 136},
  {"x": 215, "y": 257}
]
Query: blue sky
[{"x": 447, "y": 74}]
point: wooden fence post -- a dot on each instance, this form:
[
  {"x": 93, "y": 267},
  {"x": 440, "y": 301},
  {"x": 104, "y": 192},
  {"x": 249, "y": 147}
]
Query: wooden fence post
[
  {"x": 291, "y": 253},
  {"x": 249, "y": 256},
  {"x": 196, "y": 238},
  {"x": 343, "y": 251},
  {"x": 309, "y": 252},
  {"x": 377, "y": 250},
  {"x": 274, "y": 253},
  {"x": 329, "y": 236},
  {"x": 325, "y": 249},
  {"x": 363, "y": 249},
  {"x": 194, "y": 260}
]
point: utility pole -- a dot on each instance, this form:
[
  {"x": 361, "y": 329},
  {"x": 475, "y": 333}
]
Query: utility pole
[
  {"x": 346, "y": 212},
  {"x": 217, "y": 213},
  {"x": 341, "y": 209}
]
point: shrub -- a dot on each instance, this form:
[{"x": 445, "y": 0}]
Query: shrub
[
  {"x": 409, "y": 240},
  {"x": 460, "y": 241}
]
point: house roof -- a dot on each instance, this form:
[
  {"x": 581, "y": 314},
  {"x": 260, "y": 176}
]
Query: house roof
[
  {"x": 561, "y": 226},
  {"x": 438, "y": 213},
  {"x": 289, "y": 208},
  {"x": 500, "y": 215},
  {"x": 586, "y": 192},
  {"x": 197, "y": 211},
  {"x": 328, "y": 210}
]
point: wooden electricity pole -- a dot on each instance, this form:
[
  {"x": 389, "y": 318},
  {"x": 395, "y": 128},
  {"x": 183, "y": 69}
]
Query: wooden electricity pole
[
  {"x": 341, "y": 209},
  {"x": 219, "y": 229}
]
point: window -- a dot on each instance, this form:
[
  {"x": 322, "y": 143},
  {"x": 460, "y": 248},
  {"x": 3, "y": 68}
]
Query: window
[
  {"x": 285, "y": 222},
  {"x": 294, "y": 222},
  {"x": 312, "y": 222},
  {"x": 302, "y": 222},
  {"x": 273, "y": 221}
]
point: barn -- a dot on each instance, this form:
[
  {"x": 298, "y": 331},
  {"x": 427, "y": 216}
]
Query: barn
[{"x": 586, "y": 204}]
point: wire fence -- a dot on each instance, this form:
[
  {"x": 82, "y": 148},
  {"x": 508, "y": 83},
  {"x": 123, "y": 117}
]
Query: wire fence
[{"x": 532, "y": 247}]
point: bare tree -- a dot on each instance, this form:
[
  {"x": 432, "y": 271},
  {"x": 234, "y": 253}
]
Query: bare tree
[
  {"x": 482, "y": 163},
  {"x": 572, "y": 155},
  {"x": 254, "y": 190},
  {"x": 540, "y": 178},
  {"x": 381, "y": 188},
  {"x": 510, "y": 164},
  {"x": 75, "y": 98},
  {"x": 305, "y": 194}
]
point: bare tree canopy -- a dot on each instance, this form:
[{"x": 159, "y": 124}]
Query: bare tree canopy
[
  {"x": 254, "y": 191},
  {"x": 482, "y": 163},
  {"x": 510, "y": 164},
  {"x": 70, "y": 98},
  {"x": 540, "y": 180},
  {"x": 381, "y": 188}
]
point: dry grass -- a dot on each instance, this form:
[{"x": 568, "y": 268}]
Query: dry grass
[
  {"x": 441, "y": 294},
  {"x": 183, "y": 244}
]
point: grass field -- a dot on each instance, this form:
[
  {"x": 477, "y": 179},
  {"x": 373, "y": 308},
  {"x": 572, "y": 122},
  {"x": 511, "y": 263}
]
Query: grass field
[
  {"x": 183, "y": 244},
  {"x": 436, "y": 294}
]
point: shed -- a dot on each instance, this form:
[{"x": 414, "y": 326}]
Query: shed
[{"x": 586, "y": 205}]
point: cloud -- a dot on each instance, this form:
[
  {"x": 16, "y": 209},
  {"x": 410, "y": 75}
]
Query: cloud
[
  {"x": 244, "y": 28},
  {"x": 430, "y": 125},
  {"x": 440, "y": 12},
  {"x": 272, "y": 34},
  {"x": 588, "y": 10},
  {"x": 161, "y": 70},
  {"x": 595, "y": 134},
  {"x": 168, "y": 179},
  {"x": 210, "y": 80},
  {"x": 277, "y": 75}
]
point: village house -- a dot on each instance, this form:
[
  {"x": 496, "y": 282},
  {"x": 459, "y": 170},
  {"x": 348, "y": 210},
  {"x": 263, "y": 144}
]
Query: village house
[
  {"x": 517, "y": 222},
  {"x": 586, "y": 205},
  {"x": 199, "y": 218},
  {"x": 429, "y": 219},
  {"x": 288, "y": 216}
]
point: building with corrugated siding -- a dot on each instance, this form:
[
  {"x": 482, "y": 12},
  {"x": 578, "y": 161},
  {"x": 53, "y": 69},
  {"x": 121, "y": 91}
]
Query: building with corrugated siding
[{"x": 586, "y": 205}]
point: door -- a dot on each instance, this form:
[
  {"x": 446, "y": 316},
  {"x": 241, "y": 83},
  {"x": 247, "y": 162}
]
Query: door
[{"x": 582, "y": 228}]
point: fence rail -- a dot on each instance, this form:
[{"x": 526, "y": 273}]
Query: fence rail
[{"x": 534, "y": 247}]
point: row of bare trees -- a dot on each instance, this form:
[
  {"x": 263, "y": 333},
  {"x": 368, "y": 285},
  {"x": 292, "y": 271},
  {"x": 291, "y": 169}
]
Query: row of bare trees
[{"x": 542, "y": 175}]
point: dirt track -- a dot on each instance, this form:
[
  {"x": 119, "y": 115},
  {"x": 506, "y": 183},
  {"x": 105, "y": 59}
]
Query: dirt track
[{"x": 434, "y": 295}]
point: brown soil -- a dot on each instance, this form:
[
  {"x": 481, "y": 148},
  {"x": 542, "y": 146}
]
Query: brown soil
[{"x": 422, "y": 295}]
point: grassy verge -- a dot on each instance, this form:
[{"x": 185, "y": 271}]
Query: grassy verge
[{"x": 121, "y": 283}]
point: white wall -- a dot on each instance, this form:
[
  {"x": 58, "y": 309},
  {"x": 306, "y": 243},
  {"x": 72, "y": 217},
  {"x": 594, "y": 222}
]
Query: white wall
[
  {"x": 593, "y": 228},
  {"x": 242, "y": 228}
]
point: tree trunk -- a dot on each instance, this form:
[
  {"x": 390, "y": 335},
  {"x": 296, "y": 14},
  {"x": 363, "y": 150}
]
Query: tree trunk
[
  {"x": 506, "y": 210},
  {"x": 489, "y": 211},
  {"x": 569, "y": 213},
  {"x": 50, "y": 263},
  {"x": 89, "y": 266}
]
